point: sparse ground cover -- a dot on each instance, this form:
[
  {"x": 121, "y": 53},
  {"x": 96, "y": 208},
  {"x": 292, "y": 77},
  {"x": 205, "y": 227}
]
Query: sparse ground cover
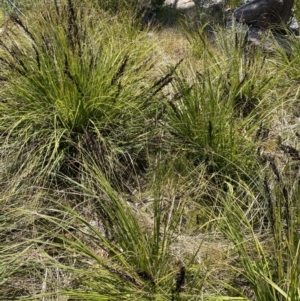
[{"x": 154, "y": 163}]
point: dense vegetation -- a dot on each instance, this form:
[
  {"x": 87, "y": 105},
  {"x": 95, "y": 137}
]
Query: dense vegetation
[{"x": 138, "y": 162}]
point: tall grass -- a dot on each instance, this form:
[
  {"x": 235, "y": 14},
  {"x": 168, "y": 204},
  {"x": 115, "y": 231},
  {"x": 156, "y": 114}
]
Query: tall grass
[
  {"x": 114, "y": 170},
  {"x": 269, "y": 250},
  {"x": 97, "y": 253},
  {"x": 219, "y": 104},
  {"x": 76, "y": 83}
]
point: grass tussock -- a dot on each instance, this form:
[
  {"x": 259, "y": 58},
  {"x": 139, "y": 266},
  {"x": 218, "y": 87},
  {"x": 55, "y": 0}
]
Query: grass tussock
[
  {"x": 77, "y": 84},
  {"x": 135, "y": 168}
]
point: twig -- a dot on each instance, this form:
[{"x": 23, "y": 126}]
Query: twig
[{"x": 16, "y": 8}]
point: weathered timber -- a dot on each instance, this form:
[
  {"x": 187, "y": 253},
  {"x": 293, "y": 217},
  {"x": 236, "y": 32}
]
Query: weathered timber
[{"x": 264, "y": 13}]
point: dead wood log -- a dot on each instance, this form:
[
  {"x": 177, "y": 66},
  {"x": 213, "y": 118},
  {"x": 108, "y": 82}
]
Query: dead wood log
[{"x": 264, "y": 13}]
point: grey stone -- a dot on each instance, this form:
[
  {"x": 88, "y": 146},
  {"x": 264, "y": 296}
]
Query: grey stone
[
  {"x": 180, "y": 4},
  {"x": 264, "y": 13},
  {"x": 293, "y": 25}
]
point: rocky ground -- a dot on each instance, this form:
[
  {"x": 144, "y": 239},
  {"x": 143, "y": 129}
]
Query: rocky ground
[{"x": 215, "y": 9}]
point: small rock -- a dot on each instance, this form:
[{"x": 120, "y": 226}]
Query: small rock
[
  {"x": 180, "y": 4},
  {"x": 293, "y": 25}
]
